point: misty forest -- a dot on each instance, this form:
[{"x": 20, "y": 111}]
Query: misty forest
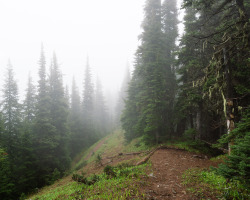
[{"x": 193, "y": 86}]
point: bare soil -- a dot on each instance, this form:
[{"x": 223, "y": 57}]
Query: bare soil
[
  {"x": 165, "y": 178},
  {"x": 165, "y": 182}
]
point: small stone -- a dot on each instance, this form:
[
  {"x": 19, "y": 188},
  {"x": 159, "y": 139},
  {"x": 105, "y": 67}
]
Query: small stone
[
  {"x": 174, "y": 192},
  {"x": 151, "y": 175}
]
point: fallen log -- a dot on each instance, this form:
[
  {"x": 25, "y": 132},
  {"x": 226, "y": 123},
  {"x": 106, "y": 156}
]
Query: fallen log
[{"x": 148, "y": 156}]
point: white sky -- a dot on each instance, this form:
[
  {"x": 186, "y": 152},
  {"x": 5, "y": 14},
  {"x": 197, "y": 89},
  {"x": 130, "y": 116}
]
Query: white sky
[{"x": 105, "y": 30}]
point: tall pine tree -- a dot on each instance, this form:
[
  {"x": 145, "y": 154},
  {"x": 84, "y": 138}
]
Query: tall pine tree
[
  {"x": 11, "y": 111},
  {"x": 88, "y": 105},
  {"x": 150, "y": 79},
  {"x": 59, "y": 117},
  {"x": 123, "y": 94},
  {"x": 78, "y": 138},
  {"x": 170, "y": 34},
  {"x": 11, "y": 119},
  {"x": 100, "y": 111},
  {"x": 44, "y": 129}
]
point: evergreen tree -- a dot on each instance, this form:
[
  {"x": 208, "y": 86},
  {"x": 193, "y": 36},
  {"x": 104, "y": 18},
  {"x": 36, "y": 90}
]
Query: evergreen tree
[
  {"x": 170, "y": 33},
  {"x": 78, "y": 138},
  {"x": 122, "y": 95},
  {"x": 100, "y": 111},
  {"x": 9, "y": 132},
  {"x": 130, "y": 115},
  {"x": 88, "y": 105},
  {"x": 44, "y": 130},
  {"x": 59, "y": 117},
  {"x": 11, "y": 112},
  {"x": 67, "y": 96},
  {"x": 237, "y": 165},
  {"x": 6, "y": 182},
  {"x": 152, "y": 100},
  {"x": 25, "y": 170},
  {"x": 223, "y": 80},
  {"x": 190, "y": 71},
  {"x": 17, "y": 167},
  {"x": 29, "y": 106},
  {"x": 88, "y": 95}
]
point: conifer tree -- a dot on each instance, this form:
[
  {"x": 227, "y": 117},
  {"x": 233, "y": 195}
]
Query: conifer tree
[
  {"x": 29, "y": 105},
  {"x": 190, "y": 66},
  {"x": 44, "y": 130},
  {"x": 100, "y": 111},
  {"x": 59, "y": 116},
  {"x": 130, "y": 115},
  {"x": 78, "y": 138},
  {"x": 88, "y": 95},
  {"x": 11, "y": 112},
  {"x": 225, "y": 30},
  {"x": 10, "y": 134},
  {"x": 152, "y": 99},
  {"x": 67, "y": 96},
  {"x": 88, "y": 105},
  {"x": 122, "y": 95},
  {"x": 170, "y": 34},
  {"x": 6, "y": 182}
]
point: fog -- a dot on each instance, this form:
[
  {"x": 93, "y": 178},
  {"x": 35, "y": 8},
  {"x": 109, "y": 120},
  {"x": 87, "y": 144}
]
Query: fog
[
  {"x": 102, "y": 30},
  {"x": 105, "y": 31}
]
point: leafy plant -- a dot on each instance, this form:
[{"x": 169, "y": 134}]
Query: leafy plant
[
  {"x": 98, "y": 160},
  {"x": 125, "y": 185},
  {"x": 109, "y": 171},
  {"x": 80, "y": 178},
  {"x": 207, "y": 184},
  {"x": 55, "y": 176},
  {"x": 190, "y": 133}
]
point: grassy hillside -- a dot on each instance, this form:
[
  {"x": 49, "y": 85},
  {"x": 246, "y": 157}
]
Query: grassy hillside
[
  {"x": 107, "y": 170},
  {"x": 92, "y": 161}
]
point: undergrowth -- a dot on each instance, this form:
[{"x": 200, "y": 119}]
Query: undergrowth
[
  {"x": 206, "y": 184},
  {"x": 195, "y": 146},
  {"x": 121, "y": 182}
]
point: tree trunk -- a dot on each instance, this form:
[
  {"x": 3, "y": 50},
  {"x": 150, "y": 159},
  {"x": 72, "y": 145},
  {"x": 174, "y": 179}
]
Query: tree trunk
[
  {"x": 191, "y": 120},
  {"x": 198, "y": 122},
  {"x": 229, "y": 98}
]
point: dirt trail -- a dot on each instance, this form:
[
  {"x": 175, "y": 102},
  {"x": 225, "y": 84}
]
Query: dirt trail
[
  {"x": 95, "y": 149},
  {"x": 168, "y": 166},
  {"x": 165, "y": 182}
]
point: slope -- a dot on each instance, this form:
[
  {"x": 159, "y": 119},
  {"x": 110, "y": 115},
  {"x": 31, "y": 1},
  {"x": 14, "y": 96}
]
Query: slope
[{"x": 159, "y": 178}]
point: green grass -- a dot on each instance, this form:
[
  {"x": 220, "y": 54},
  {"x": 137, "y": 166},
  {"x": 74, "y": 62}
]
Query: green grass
[
  {"x": 195, "y": 147},
  {"x": 137, "y": 145},
  {"x": 206, "y": 184},
  {"x": 125, "y": 185},
  {"x": 82, "y": 162},
  {"x": 128, "y": 180},
  {"x": 114, "y": 144}
]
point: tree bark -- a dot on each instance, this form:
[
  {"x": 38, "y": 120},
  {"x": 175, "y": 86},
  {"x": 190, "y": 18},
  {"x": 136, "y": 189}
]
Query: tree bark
[
  {"x": 229, "y": 98},
  {"x": 198, "y": 121},
  {"x": 191, "y": 120}
]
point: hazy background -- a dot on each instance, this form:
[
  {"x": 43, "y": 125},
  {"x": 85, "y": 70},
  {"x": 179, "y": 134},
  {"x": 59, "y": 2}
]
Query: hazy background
[{"x": 106, "y": 31}]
